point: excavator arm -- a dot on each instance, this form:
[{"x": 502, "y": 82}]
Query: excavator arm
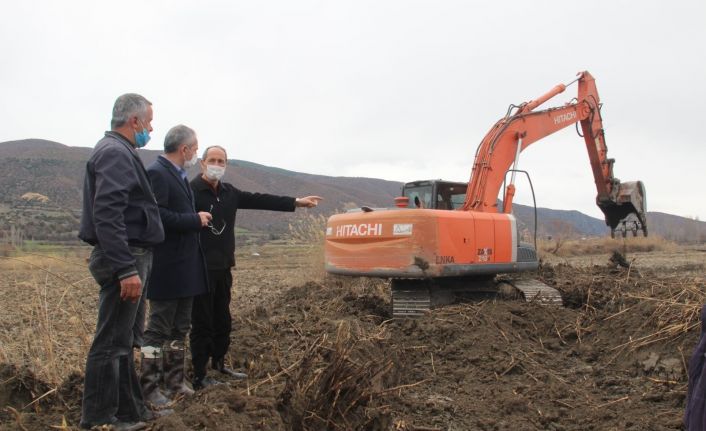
[{"x": 621, "y": 203}]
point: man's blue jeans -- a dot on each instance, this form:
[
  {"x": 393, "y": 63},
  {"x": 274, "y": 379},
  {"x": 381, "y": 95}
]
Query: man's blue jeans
[{"x": 111, "y": 388}]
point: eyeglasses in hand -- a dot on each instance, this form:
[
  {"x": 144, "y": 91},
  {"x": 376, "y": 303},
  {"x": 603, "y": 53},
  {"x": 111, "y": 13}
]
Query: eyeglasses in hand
[{"x": 215, "y": 230}]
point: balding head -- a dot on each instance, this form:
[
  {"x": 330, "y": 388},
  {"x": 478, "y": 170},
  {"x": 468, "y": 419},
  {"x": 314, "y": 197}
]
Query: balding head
[{"x": 217, "y": 148}]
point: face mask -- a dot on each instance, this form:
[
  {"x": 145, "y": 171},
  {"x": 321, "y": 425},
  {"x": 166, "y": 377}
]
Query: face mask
[
  {"x": 215, "y": 172},
  {"x": 142, "y": 138},
  {"x": 191, "y": 162}
]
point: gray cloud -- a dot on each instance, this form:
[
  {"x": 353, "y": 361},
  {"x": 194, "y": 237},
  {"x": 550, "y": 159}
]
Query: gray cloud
[{"x": 398, "y": 90}]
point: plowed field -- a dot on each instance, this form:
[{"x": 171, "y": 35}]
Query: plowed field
[{"x": 324, "y": 353}]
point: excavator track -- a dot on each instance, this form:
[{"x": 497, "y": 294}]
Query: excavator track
[
  {"x": 410, "y": 300},
  {"x": 536, "y": 291},
  {"x": 415, "y": 298}
]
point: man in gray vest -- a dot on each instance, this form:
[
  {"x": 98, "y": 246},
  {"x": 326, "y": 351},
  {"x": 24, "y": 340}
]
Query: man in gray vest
[{"x": 120, "y": 219}]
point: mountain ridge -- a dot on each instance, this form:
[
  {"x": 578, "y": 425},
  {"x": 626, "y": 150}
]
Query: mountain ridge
[{"x": 56, "y": 171}]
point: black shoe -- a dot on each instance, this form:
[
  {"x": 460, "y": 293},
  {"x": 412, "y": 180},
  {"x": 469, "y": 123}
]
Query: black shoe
[
  {"x": 153, "y": 415},
  {"x": 219, "y": 365},
  {"x": 204, "y": 382},
  {"x": 117, "y": 426},
  {"x": 234, "y": 374}
]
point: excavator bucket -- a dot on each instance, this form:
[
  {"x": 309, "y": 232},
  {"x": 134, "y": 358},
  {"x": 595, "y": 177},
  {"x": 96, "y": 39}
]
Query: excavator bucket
[{"x": 625, "y": 210}]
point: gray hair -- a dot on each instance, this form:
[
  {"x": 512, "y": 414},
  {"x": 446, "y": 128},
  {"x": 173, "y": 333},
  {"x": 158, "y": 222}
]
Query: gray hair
[
  {"x": 126, "y": 106},
  {"x": 178, "y": 136},
  {"x": 205, "y": 152}
]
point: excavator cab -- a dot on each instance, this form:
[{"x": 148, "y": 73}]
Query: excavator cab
[{"x": 435, "y": 194}]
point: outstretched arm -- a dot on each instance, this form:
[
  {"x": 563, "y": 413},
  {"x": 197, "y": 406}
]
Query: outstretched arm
[{"x": 263, "y": 201}]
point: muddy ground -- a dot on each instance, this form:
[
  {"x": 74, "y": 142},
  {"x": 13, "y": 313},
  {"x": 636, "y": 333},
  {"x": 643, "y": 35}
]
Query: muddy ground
[{"x": 324, "y": 352}]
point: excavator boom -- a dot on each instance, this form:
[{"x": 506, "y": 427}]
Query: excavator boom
[{"x": 621, "y": 203}]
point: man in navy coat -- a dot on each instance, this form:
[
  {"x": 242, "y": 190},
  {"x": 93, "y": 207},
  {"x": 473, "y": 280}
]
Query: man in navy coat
[{"x": 178, "y": 270}]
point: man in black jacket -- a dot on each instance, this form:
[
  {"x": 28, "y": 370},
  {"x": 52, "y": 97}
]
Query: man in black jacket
[
  {"x": 179, "y": 270},
  {"x": 211, "y": 319},
  {"x": 121, "y": 220}
]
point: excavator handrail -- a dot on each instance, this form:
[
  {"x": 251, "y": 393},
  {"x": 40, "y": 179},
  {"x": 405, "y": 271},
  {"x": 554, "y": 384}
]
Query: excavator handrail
[{"x": 534, "y": 201}]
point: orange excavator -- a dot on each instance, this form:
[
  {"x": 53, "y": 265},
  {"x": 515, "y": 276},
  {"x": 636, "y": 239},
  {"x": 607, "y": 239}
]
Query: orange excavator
[{"x": 448, "y": 237}]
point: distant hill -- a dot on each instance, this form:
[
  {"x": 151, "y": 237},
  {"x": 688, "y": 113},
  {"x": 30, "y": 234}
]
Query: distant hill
[
  {"x": 56, "y": 171},
  {"x": 580, "y": 223},
  {"x": 675, "y": 228}
]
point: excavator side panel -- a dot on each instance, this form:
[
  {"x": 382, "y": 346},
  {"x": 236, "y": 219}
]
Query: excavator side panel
[
  {"x": 505, "y": 239},
  {"x": 485, "y": 238},
  {"x": 491, "y": 249},
  {"x": 457, "y": 239},
  {"x": 382, "y": 243},
  {"x": 422, "y": 244}
]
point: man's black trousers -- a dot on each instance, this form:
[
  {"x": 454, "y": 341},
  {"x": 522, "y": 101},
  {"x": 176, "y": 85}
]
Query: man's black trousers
[{"x": 211, "y": 321}]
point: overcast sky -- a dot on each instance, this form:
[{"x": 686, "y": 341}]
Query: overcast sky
[{"x": 398, "y": 90}]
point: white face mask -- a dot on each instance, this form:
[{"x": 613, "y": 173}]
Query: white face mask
[
  {"x": 215, "y": 172},
  {"x": 191, "y": 162}
]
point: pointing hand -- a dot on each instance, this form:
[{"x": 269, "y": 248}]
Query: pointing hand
[{"x": 309, "y": 201}]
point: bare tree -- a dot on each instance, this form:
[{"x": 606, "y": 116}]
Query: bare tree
[
  {"x": 560, "y": 231},
  {"x": 17, "y": 236}
]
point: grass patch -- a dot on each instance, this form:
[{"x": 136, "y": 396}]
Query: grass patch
[
  {"x": 593, "y": 246},
  {"x": 44, "y": 326},
  {"x": 309, "y": 232}
]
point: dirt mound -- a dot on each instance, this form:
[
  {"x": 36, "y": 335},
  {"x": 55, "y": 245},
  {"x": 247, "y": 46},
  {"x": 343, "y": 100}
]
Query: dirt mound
[
  {"x": 339, "y": 384},
  {"x": 21, "y": 392},
  {"x": 327, "y": 356},
  {"x": 222, "y": 407},
  {"x": 19, "y": 386}
]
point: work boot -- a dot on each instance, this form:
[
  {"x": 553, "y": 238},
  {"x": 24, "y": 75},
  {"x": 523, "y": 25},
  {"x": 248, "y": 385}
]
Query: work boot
[
  {"x": 219, "y": 365},
  {"x": 204, "y": 381},
  {"x": 151, "y": 377},
  {"x": 174, "y": 369}
]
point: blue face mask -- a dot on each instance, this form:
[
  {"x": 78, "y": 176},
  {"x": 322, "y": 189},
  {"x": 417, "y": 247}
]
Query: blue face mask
[{"x": 142, "y": 138}]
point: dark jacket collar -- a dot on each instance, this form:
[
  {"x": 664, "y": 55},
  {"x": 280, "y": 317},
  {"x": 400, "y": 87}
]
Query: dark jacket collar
[
  {"x": 123, "y": 140},
  {"x": 200, "y": 184},
  {"x": 172, "y": 166},
  {"x": 175, "y": 173}
]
